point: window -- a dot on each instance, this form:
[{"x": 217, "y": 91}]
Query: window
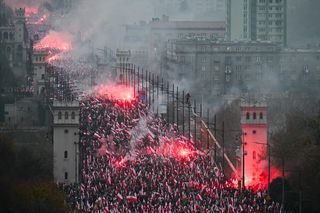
[
  {"x": 59, "y": 115},
  {"x": 238, "y": 68},
  {"x": 278, "y": 23},
  {"x": 66, "y": 115},
  {"x": 65, "y": 154},
  {"x": 5, "y": 35},
  {"x": 66, "y": 131},
  {"x": 254, "y": 116},
  {"x": 261, "y": 115},
  {"x": 248, "y": 115},
  {"x": 258, "y": 58},
  {"x": 11, "y": 36},
  {"x": 73, "y": 115},
  {"x": 66, "y": 175},
  {"x": 254, "y": 155},
  {"x": 254, "y": 132}
]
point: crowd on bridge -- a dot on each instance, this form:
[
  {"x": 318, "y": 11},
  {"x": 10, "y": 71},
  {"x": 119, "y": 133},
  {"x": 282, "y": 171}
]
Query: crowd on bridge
[{"x": 133, "y": 161}]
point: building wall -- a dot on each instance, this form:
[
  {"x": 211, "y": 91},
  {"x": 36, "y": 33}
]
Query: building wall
[
  {"x": 264, "y": 20},
  {"x": 22, "y": 113},
  {"x": 66, "y": 141},
  {"x": 236, "y": 20},
  {"x": 271, "y": 20},
  {"x": 254, "y": 130},
  {"x": 226, "y": 66},
  {"x": 14, "y": 39},
  {"x": 39, "y": 70},
  {"x": 221, "y": 65}
]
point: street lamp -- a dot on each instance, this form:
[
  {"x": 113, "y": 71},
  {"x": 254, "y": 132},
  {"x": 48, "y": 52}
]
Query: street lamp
[{"x": 243, "y": 161}]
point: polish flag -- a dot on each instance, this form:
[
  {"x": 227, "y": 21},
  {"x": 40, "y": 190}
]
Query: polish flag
[
  {"x": 119, "y": 197},
  {"x": 132, "y": 199}
]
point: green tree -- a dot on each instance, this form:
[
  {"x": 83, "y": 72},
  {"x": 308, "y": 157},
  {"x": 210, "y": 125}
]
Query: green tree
[
  {"x": 24, "y": 181},
  {"x": 7, "y": 156},
  {"x": 298, "y": 143},
  {"x": 38, "y": 197}
]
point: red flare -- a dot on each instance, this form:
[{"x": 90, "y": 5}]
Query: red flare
[
  {"x": 120, "y": 93},
  {"x": 55, "y": 41}
]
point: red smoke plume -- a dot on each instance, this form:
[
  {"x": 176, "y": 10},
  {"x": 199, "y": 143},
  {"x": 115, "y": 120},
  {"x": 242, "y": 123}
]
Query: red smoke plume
[
  {"x": 55, "y": 41},
  {"x": 116, "y": 92}
]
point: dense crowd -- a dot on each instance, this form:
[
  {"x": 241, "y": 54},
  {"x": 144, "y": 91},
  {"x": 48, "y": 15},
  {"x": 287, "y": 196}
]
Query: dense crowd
[{"x": 133, "y": 161}]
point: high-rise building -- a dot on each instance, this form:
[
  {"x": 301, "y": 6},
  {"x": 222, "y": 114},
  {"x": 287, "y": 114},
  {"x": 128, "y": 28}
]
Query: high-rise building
[{"x": 264, "y": 20}]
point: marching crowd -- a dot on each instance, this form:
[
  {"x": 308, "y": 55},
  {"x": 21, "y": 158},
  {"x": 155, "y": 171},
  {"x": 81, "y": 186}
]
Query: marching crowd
[{"x": 133, "y": 161}]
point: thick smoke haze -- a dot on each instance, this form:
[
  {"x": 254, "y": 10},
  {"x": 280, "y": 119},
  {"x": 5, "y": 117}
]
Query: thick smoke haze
[
  {"x": 303, "y": 22},
  {"x": 101, "y": 22},
  {"x": 25, "y": 3}
]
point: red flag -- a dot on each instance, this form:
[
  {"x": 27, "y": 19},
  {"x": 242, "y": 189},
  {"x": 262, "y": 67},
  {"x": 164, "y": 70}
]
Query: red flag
[
  {"x": 119, "y": 197},
  {"x": 199, "y": 197},
  {"x": 132, "y": 199}
]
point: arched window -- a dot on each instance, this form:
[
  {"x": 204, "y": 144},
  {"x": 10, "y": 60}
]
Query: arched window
[
  {"x": 59, "y": 115},
  {"x": 65, "y": 154},
  {"x": 66, "y": 115},
  {"x": 254, "y": 116},
  {"x": 261, "y": 115},
  {"x": 73, "y": 115},
  {"x": 248, "y": 115}
]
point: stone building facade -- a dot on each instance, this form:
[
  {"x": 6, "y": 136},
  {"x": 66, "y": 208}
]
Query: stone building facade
[
  {"x": 241, "y": 66},
  {"x": 15, "y": 42},
  {"x": 66, "y": 120}
]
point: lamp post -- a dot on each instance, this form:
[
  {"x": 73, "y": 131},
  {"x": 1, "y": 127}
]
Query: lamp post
[{"x": 243, "y": 161}]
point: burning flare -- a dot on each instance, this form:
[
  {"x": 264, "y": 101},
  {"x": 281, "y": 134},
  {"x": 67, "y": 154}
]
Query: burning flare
[
  {"x": 116, "y": 92},
  {"x": 55, "y": 41}
]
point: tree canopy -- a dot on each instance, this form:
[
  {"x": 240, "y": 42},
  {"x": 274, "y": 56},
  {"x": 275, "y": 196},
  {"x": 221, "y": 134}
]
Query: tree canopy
[
  {"x": 298, "y": 144},
  {"x": 25, "y": 181}
]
